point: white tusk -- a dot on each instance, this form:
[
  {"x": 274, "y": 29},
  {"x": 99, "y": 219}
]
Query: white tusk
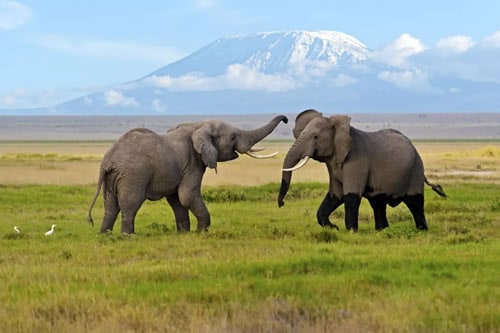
[
  {"x": 298, "y": 165},
  {"x": 249, "y": 153},
  {"x": 256, "y": 149}
]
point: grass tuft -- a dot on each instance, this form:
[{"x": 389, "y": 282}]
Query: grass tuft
[{"x": 325, "y": 236}]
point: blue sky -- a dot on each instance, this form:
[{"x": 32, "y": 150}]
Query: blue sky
[{"x": 53, "y": 50}]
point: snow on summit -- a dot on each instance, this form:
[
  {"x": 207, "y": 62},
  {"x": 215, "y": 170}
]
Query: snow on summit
[{"x": 273, "y": 52}]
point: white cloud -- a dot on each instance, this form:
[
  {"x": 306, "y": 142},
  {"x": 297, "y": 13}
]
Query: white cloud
[
  {"x": 493, "y": 40},
  {"x": 158, "y": 105},
  {"x": 13, "y": 15},
  {"x": 88, "y": 101},
  {"x": 13, "y": 98},
  {"x": 398, "y": 51},
  {"x": 242, "y": 77},
  {"x": 414, "y": 79},
  {"x": 9, "y": 100},
  {"x": 307, "y": 68},
  {"x": 455, "y": 44},
  {"x": 459, "y": 57},
  {"x": 22, "y": 98},
  {"x": 343, "y": 80},
  {"x": 421, "y": 69},
  {"x": 116, "y": 97},
  {"x": 237, "y": 76},
  {"x": 106, "y": 49}
]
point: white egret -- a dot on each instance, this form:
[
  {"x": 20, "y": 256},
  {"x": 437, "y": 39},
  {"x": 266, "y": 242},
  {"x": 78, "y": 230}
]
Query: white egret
[
  {"x": 51, "y": 231},
  {"x": 16, "y": 229}
]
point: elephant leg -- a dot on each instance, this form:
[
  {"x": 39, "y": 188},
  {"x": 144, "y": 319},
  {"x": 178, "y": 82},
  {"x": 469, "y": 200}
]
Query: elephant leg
[
  {"x": 201, "y": 212},
  {"x": 194, "y": 202},
  {"x": 181, "y": 213},
  {"x": 351, "y": 204},
  {"x": 130, "y": 202},
  {"x": 111, "y": 210},
  {"x": 328, "y": 205},
  {"x": 379, "y": 205},
  {"x": 189, "y": 192},
  {"x": 415, "y": 204}
]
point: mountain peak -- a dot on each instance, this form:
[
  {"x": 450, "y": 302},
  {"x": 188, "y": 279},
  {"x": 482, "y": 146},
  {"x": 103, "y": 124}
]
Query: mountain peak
[
  {"x": 310, "y": 35},
  {"x": 272, "y": 52}
]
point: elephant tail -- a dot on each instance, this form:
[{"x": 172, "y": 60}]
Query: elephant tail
[
  {"x": 98, "y": 189},
  {"x": 436, "y": 187}
]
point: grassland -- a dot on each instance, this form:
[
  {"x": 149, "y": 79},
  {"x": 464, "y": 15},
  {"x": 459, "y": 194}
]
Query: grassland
[{"x": 259, "y": 268}]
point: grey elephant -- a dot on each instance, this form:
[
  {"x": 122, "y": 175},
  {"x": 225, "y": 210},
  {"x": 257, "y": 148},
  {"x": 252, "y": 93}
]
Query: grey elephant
[
  {"x": 382, "y": 166},
  {"x": 145, "y": 165}
]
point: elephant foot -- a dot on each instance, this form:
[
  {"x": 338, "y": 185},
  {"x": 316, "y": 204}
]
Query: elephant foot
[
  {"x": 330, "y": 225},
  {"x": 183, "y": 225},
  {"x": 203, "y": 227},
  {"x": 422, "y": 227},
  {"x": 183, "y": 229}
]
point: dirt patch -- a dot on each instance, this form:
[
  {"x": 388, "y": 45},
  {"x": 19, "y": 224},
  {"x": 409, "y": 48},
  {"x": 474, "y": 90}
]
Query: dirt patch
[{"x": 477, "y": 173}]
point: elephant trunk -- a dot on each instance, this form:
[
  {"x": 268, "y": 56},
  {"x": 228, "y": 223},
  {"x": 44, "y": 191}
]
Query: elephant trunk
[
  {"x": 293, "y": 156},
  {"x": 248, "y": 138}
]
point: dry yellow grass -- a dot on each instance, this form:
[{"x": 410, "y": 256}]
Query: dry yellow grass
[{"x": 78, "y": 163}]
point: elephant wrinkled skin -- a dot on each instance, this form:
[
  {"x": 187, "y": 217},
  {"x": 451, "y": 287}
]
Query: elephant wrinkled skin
[
  {"x": 145, "y": 165},
  {"x": 382, "y": 166}
]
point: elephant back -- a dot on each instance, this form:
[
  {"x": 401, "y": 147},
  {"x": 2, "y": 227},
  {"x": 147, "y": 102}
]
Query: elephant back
[{"x": 303, "y": 119}]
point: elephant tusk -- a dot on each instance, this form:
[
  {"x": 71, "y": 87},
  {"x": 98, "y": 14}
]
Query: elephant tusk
[
  {"x": 249, "y": 153},
  {"x": 256, "y": 149},
  {"x": 298, "y": 165}
]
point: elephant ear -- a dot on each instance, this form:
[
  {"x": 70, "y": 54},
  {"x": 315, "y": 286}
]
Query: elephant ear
[
  {"x": 342, "y": 140},
  {"x": 203, "y": 144},
  {"x": 303, "y": 119}
]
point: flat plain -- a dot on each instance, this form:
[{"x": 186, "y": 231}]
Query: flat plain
[{"x": 259, "y": 268}]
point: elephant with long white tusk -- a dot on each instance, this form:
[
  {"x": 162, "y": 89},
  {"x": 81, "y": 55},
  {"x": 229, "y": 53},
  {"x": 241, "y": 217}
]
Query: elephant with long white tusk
[
  {"x": 145, "y": 165},
  {"x": 382, "y": 166}
]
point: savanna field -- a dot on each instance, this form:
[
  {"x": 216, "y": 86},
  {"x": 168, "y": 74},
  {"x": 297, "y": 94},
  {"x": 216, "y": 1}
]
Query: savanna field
[{"x": 260, "y": 268}]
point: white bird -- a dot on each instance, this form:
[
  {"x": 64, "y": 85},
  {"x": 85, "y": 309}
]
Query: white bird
[
  {"x": 16, "y": 229},
  {"x": 51, "y": 231}
]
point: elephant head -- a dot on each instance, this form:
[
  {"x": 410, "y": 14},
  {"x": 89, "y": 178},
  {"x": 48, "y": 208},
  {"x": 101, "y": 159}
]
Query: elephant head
[
  {"x": 325, "y": 139},
  {"x": 217, "y": 141}
]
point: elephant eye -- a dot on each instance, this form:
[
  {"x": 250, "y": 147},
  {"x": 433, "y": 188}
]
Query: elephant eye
[{"x": 316, "y": 138}]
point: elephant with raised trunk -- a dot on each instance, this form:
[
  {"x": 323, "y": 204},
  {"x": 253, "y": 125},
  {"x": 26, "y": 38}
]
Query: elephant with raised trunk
[
  {"x": 382, "y": 166},
  {"x": 145, "y": 165}
]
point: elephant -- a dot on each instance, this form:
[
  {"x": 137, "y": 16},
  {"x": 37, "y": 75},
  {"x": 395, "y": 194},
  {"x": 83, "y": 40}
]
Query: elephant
[
  {"x": 145, "y": 165},
  {"x": 382, "y": 166}
]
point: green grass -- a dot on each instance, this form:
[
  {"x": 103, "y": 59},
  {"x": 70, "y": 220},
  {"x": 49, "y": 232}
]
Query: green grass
[{"x": 259, "y": 268}]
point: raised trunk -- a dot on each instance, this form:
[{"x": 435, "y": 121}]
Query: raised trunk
[
  {"x": 293, "y": 156},
  {"x": 249, "y": 138}
]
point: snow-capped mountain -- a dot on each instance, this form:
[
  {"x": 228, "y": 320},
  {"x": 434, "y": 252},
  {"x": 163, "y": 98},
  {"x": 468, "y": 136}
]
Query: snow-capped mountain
[
  {"x": 272, "y": 52},
  {"x": 289, "y": 71}
]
